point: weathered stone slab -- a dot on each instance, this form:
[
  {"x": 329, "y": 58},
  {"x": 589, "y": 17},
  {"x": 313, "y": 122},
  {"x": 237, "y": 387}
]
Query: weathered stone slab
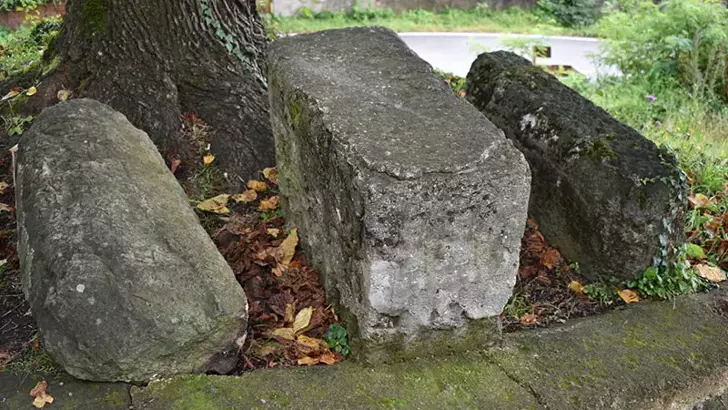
[
  {"x": 601, "y": 192},
  {"x": 411, "y": 203},
  {"x": 123, "y": 281}
]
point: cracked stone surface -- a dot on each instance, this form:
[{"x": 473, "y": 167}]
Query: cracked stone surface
[{"x": 410, "y": 202}]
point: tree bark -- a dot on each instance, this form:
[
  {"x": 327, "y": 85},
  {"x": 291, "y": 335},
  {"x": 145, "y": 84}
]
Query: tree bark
[{"x": 154, "y": 60}]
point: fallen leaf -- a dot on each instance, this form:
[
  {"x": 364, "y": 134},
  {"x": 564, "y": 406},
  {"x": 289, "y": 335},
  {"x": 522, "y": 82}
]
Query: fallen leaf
[
  {"x": 240, "y": 342},
  {"x": 529, "y": 319},
  {"x": 710, "y": 273},
  {"x": 247, "y": 196},
  {"x": 290, "y": 312},
  {"x": 287, "y": 249},
  {"x": 14, "y": 149},
  {"x": 270, "y": 204},
  {"x": 208, "y": 159},
  {"x": 258, "y": 186},
  {"x": 311, "y": 344},
  {"x": 550, "y": 258},
  {"x": 328, "y": 358},
  {"x": 576, "y": 287},
  {"x": 628, "y": 296},
  {"x": 31, "y": 91},
  {"x": 41, "y": 394},
  {"x": 12, "y": 93},
  {"x": 3, "y": 187},
  {"x": 308, "y": 361},
  {"x": 701, "y": 201},
  {"x": 274, "y": 232},
  {"x": 216, "y": 204},
  {"x": 303, "y": 318},
  {"x": 284, "y": 333},
  {"x": 64, "y": 94},
  {"x": 5, "y": 207},
  {"x": 271, "y": 174},
  {"x": 175, "y": 164},
  {"x": 4, "y": 358},
  {"x": 278, "y": 271}
]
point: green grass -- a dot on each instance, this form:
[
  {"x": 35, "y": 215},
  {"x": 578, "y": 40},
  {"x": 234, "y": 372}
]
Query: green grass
[{"x": 512, "y": 20}]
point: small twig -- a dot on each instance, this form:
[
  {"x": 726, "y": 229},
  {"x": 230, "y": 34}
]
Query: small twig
[{"x": 12, "y": 310}]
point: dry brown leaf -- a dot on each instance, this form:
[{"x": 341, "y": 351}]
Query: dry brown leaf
[
  {"x": 308, "y": 361},
  {"x": 328, "y": 358},
  {"x": 216, "y": 204},
  {"x": 4, "y": 358},
  {"x": 5, "y": 207},
  {"x": 701, "y": 201},
  {"x": 310, "y": 344},
  {"x": 529, "y": 319},
  {"x": 576, "y": 287},
  {"x": 31, "y": 91},
  {"x": 12, "y": 93},
  {"x": 3, "y": 187},
  {"x": 208, "y": 159},
  {"x": 257, "y": 186},
  {"x": 290, "y": 312},
  {"x": 247, "y": 196},
  {"x": 302, "y": 320},
  {"x": 278, "y": 271},
  {"x": 175, "y": 164},
  {"x": 628, "y": 296},
  {"x": 64, "y": 94},
  {"x": 710, "y": 273},
  {"x": 271, "y": 174},
  {"x": 270, "y": 204},
  {"x": 284, "y": 333},
  {"x": 550, "y": 258},
  {"x": 41, "y": 395},
  {"x": 274, "y": 232},
  {"x": 287, "y": 249}
]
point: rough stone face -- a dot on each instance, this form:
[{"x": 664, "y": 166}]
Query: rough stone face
[
  {"x": 123, "y": 281},
  {"x": 604, "y": 194},
  {"x": 410, "y": 202}
]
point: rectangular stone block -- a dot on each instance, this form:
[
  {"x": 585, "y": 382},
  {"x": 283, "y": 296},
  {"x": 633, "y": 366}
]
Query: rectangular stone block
[
  {"x": 606, "y": 196},
  {"x": 409, "y": 201}
]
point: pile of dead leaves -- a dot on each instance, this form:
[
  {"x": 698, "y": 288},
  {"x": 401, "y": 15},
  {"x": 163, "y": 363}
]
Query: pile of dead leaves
[
  {"x": 288, "y": 315},
  {"x": 548, "y": 290}
]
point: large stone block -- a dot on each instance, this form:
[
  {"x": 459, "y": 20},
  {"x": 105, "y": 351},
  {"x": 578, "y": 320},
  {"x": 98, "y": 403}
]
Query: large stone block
[
  {"x": 123, "y": 281},
  {"x": 411, "y": 203},
  {"x": 604, "y": 194}
]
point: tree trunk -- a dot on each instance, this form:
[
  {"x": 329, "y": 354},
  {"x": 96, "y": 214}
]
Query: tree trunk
[{"x": 154, "y": 60}]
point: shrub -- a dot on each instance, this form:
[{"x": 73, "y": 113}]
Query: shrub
[
  {"x": 9, "y": 5},
  {"x": 681, "y": 41},
  {"x": 572, "y": 13}
]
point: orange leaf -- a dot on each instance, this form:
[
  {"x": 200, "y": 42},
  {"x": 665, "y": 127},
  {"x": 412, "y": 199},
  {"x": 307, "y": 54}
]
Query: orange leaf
[
  {"x": 270, "y": 204},
  {"x": 550, "y": 258},
  {"x": 529, "y": 319},
  {"x": 576, "y": 287},
  {"x": 208, "y": 159},
  {"x": 247, "y": 196},
  {"x": 308, "y": 361},
  {"x": 628, "y": 296},
  {"x": 257, "y": 186},
  {"x": 710, "y": 273},
  {"x": 271, "y": 174},
  {"x": 287, "y": 249},
  {"x": 41, "y": 395},
  {"x": 328, "y": 358},
  {"x": 701, "y": 201}
]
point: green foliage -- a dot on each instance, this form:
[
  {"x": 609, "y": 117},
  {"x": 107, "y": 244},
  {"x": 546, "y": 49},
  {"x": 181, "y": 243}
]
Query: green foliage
[
  {"x": 604, "y": 293},
  {"x": 670, "y": 280},
  {"x": 22, "y": 50},
  {"x": 572, "y": 13},
  {"x": 457, "y": 84},
  {"x": 526, "y": 47},
  {"x": 16, "y": 125},
  {"x": 677, "y": 42},
  {"x": 518, "y": 305},
  {"x": 10, "y": 5},
  {"x": 337, "y": 338},
  {"x": 478, "y": 19}
]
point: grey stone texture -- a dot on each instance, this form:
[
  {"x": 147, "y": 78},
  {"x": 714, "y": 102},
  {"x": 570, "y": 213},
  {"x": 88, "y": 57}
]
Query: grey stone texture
[
  {"x": 411, "y": 202},
  {"x": 607, "y": 197},
  {"x": 123, "y": 281}
]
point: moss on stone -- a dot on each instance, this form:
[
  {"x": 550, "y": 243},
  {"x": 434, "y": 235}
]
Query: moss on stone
[
  {"x": 94, "y": 16},
  {"x": 600, "y": 150}
]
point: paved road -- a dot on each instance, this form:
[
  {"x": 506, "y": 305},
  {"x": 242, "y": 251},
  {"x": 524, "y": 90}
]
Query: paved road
[{"x": 455, "y": 52}]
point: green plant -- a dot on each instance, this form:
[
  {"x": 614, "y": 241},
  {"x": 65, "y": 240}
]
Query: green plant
[
  {"x": 518, "y": 306},
  {"x": 10, "y": 5},
  {"x": 456, "y": 83},
  {"x": 16, "y": 125},
  {"x": 526, "y": 47},
  {"x": 572, "y": 13},
  {"x": 337, "y": 337},
  {"x": 604, "y": 293},
  {"x": 666, "y": 281}
]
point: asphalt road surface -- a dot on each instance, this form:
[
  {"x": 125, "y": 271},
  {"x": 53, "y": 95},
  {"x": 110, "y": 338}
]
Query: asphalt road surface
[{"x": 455, "y": 52}]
